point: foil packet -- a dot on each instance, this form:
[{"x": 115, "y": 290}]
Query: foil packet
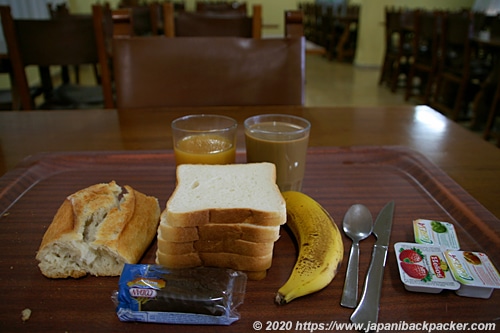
[{"x": 201, "y": 295}]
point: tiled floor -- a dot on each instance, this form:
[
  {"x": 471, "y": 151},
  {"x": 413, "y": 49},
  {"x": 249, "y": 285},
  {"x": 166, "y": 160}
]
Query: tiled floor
[
  {"x": 339, "y": 83},
  {"x": 335, "y": 83}
]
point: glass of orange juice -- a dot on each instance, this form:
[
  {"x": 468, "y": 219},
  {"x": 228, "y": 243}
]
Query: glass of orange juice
[{"x": 204, "y": 139}]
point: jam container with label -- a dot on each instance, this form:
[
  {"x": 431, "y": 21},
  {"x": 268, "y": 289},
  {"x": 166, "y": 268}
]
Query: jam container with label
[
  {"x": 431, "y": 232},
  {"x": 423, "y": 268},
  {"x": 476, "y": 274}
]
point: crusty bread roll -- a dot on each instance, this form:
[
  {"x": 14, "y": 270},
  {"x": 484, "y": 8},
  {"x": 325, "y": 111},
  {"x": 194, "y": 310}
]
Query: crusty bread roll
[
  {"x": 222, "y": 216},
  {"x": 97, "y": 230}
]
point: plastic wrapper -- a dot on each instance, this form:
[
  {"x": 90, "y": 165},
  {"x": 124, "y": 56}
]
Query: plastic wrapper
[{"x": 201, "y": 295}]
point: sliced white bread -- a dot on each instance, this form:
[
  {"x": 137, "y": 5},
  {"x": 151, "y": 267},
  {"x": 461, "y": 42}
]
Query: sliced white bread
[
  {"x": 226, "y": 260},
  {"x": 236, "y": 246},
  {"x": 226, "y": 194},
  {"x": 243, "y": 231}
]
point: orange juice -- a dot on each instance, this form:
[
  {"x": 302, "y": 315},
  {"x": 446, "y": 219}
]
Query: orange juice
[{"x": 205, "y": 149}]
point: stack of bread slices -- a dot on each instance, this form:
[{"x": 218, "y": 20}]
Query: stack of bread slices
[{"x": 222, "y": 216}]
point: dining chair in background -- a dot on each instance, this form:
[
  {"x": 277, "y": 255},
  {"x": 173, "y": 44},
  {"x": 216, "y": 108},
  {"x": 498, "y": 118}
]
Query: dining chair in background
[
  {"x": 195, "y": 24},
  {"x": 398, "y": 46},
  {"x": 487, "y": 102},
  {"x": 58, "y": 11},
  {"x": 136, "y": 20},
  {"x": 46, "y": 43},
  {"x": 425, "y": 57},
  {"x": 222, "y": 7},
  {"x": 294, "y": 23},
  {"x": 104, "y": 31},
  {"x": 345, "y": 32},
  {"x": 460, "y": 70},
  {"x": 208, "y": 71}
]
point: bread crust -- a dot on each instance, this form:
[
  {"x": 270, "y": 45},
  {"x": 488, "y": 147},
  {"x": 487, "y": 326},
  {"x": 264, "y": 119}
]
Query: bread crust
[
  {"x": 241, "y": 231},
  {"x": 126, "y": 231},
  {"x": 225, "y": 215},
  {"x": 236, "y": 246},
  {"x": 224, "y": 260}
]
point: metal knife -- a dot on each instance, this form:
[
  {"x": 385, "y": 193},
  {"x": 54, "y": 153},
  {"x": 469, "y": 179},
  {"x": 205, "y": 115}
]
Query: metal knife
[{"x": 367, "y": 310}]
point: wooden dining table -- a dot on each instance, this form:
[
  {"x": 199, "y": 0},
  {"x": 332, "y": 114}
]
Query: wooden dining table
[{"x": 430, "y": 166}]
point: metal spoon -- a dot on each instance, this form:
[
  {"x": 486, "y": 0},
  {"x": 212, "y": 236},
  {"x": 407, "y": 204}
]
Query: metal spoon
[{"x": 357, "y": 225}]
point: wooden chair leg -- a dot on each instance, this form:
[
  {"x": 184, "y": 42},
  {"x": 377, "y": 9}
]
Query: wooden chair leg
[
  {"x": 459, "y": 101},
  {"x": 428, "y": 88},
  {"x": 492, "y": 115},
  {"x": 395, "y": 75},
  {"x": 383, "y": 71},
  {"x": 409, "y": 83}
]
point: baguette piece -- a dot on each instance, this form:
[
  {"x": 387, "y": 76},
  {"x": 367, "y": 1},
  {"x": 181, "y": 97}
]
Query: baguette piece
[
  {"x": 232, "y": 193},
  {"x": 97, "y": 230}
]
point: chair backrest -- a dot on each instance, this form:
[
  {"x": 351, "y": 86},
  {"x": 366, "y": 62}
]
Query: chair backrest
[
  {"x": 208, "y": 71},
  {"x": 427, "y": 36},
  {"x": 104, "y": 32},
  {"x": 294, "y": 26},
  {"x": 455, "y": 42},
  {"x": 221, "y": 7},
  {"x": 195, "y": 24},
  {"x": 58, "y": 10},
  {"x": 65, "y": 41},
  {"x": 495, "y": 27},
  {"x": 135, "y": 21}
]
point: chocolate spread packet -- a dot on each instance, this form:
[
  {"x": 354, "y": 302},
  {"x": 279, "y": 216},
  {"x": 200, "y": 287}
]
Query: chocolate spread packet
[{"x": 201, "y": 295}]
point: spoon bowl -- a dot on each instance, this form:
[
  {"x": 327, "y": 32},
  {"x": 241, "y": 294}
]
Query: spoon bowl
[{"x": 357, "y": 225}]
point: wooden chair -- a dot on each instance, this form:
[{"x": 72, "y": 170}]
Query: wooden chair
[
  {"x": 398, "y": 47},
  {"x": 460, "y": 73},
  {"x": 206, "y": 71},
  {"x": 135, "y": 21},
  {"x": 425, "y": 55},
  {"x": 46, "y": 43},
  {"x": 104, "y": 32},
  {"x": 487, "y": 101},
  {"x": 193, "y": 24},
  {"x": 492, "y": 90},
  {"x": 346, "y": 28},
  {"x": 294, "y": 26},
  {"x": 58, "y": 11},
  {"x": 309, "y": 19},
  {"x": 222, "y": 7}
]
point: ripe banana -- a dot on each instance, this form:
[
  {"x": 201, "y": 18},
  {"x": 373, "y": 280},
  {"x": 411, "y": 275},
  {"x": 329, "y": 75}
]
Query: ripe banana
[{"x": 321, "y": 249}]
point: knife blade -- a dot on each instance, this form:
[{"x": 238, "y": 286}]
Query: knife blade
[{"x": 366, "y": 312}]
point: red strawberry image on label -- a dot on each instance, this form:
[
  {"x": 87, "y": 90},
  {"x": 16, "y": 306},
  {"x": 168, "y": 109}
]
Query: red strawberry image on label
[
  {"x": 415, "y": 271},
  {"x": 411, "y": 255}
]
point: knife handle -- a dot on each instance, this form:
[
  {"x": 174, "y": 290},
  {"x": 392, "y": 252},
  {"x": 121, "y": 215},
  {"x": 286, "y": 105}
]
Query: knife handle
[{"x": 367, "y": 310}]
